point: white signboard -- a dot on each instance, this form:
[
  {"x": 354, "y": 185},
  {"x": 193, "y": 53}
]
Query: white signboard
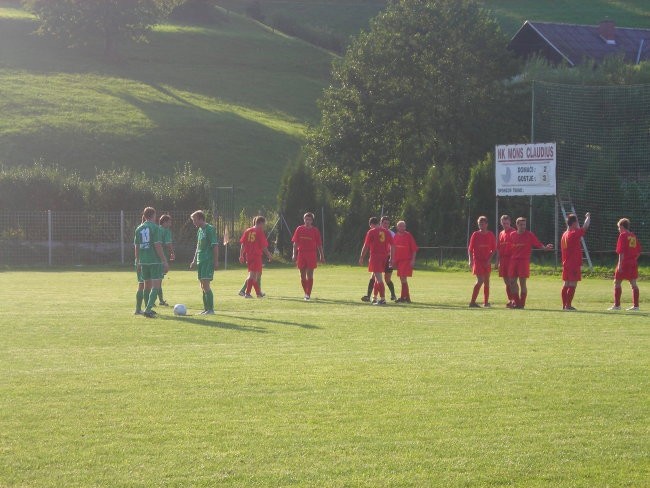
[{"x": 525, "y": 169}]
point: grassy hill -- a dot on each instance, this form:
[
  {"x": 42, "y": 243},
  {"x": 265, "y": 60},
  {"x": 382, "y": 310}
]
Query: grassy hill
[
  {"x": 346, "y": 17},
  {"x": 233, "y": 100}
]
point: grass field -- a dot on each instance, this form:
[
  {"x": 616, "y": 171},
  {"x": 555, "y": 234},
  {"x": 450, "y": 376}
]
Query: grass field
[{"x": 335, "y": 392}]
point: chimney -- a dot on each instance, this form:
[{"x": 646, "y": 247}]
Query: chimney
[{"x": 607, "y": 30}]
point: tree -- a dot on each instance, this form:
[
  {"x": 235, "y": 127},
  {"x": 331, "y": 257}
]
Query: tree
[
  {"x": 79, "y": 21},
  {"x": 422, "y": 87}
]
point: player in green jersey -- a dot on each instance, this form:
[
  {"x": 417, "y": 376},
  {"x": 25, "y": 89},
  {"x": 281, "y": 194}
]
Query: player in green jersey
[
  {"x": 150, "y": 259},
  {"x": 206, "y": 258},
  {"x": 165, "y": 222}
]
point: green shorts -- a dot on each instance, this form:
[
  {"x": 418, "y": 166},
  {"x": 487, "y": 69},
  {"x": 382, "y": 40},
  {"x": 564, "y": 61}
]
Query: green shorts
[
  {"x": 205, "y": 270},
  {"x": 151, "y": 271}
]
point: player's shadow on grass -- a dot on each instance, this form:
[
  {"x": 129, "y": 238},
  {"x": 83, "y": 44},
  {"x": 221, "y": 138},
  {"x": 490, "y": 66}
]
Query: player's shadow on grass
[
  {"x": 205, "y": 322},
  {"x": 282, "y": 322}
]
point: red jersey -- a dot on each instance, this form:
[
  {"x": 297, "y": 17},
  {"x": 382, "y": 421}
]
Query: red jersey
[
  {"x": 482, "y": 245},
  {"x": 378, "y": 240},
  {"x": 571, "y": 248},
  {"x": 405, "y": 246},
  {"x": 503, "y": 246},
  {"x": 522, "y": 244},
  {"x": 254, "y": 241},
  {"x": 307, "y": 239},
  {"x": 629, "y": 246}
]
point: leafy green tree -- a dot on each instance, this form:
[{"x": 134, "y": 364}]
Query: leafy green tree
[
  {"x": 423, "y": 86},
  {"x": 79, "y": 21}
]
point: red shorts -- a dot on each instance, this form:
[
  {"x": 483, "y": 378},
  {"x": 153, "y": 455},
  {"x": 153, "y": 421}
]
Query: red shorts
[
  {"x": 254, "y": 263},
  {"x": 377, "y": 264},
  {"x": 504, "y": 263},
  {"x": 519, "y": 268},
  {"x": 306, "y": 260},
  {"x": 481, "y": 268},
  {"x": 571, "y": 272},
  {"x": 404, "y": 268},
  {"x": 628, "y": 271}
]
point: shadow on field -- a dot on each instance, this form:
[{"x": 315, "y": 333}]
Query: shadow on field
[
  {"x": 206, "y": 322},
  {"x": 284, "y": 322}
]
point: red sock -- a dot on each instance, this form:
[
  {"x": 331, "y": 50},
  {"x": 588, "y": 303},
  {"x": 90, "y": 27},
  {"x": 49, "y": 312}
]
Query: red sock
[
  {"x": 249, "y": 285},
  {"x": 310, "y": 285},
  {"x": 564, "y": 296},
  {"x": 486, "y": 293},
  {"x": 617, "y": 296},
  {"x": 382, "y": 290},
  {"x": 304, "y": 285},
  {"x": 522, "y": 299},
  {"x": 569, "y": 295},
  {"x": 405, "y": 291},
  {"x": 477, "y": 287},
  {"x": 509, "y": 293},
  {"x": 635, "y": 296},
  {"x": 375, "y": 289},
  {"x": 256, "y": 285}
]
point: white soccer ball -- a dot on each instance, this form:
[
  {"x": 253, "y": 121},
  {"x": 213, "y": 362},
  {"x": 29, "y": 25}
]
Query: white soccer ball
[{"x": 180, "y": 309}]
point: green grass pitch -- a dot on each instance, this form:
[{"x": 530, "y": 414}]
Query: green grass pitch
[{"x": 335, "y": 392}]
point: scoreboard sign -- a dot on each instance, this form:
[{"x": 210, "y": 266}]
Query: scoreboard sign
[{"x": 525, "y": 169}]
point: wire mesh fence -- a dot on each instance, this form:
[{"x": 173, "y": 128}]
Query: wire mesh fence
[{"x": 36, "y": 238}]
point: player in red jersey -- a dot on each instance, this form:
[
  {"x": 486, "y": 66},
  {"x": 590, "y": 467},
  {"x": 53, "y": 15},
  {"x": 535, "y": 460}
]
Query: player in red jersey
[
  {"x": 306, "y": 245},
  {"x": 379, "y": 241},
  {"x": 388, "y": 269},
  {"x": 404, "y": 259},
  {"x": 482, "y": 246},
  {"x": 253, "y": 245},
  {"x": 521, "y": 245},
  {"x": 503, "y": 257},
  {"x": 572, "y": 257},
  {"x": 628, "y": 249}
]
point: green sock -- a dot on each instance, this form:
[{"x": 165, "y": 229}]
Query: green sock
[
  {"x": 243, "y": 288},
  {"x": 145, "y": 295},
  {"x": 138, "y": 299},
  {"x": 152, "y": 299},
  {"x": 205, "y": 301},
  {"x": 160, "y": 295},
  {"x": 209, "y": 300}
]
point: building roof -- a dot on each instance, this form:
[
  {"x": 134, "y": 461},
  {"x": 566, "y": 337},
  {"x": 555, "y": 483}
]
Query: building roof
[{"x": 575, "y": 43}]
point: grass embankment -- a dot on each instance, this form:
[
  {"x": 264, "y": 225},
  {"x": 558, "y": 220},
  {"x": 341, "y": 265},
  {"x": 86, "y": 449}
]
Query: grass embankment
[
  {"x": 334, "y": 392},
  {"x": 233, "y": 100}
]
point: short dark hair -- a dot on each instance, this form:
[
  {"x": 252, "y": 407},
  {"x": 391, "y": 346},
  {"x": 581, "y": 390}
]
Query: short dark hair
[
  {"x": 259, "y": 220},
  {"x": 625, "y": 223},
  {"x": 373, "y": 221},
  {"x": 571, "y": 219},
  {"x": 308, "y": 214},
  {"x": 164, "y": 218},
  {"x": 385, "y": 217},
  {"x": 148, "y": 213}
]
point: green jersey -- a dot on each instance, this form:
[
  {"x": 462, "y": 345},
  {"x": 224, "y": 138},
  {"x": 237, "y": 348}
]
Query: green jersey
[
  {"x": 166, "y": 237},
  {"x": 206, "y": 239},
  {"x": 146, "y": 236}
]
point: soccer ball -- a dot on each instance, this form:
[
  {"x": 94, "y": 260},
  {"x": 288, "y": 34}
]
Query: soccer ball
[{"x": 180, "y": 309}]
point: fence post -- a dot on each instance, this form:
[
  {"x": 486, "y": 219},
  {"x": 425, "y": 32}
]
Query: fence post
[
  {"x": 440, "y": 259},
  {"x": 49, "y": 237},
  {"x": 122, "y": 235}
]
